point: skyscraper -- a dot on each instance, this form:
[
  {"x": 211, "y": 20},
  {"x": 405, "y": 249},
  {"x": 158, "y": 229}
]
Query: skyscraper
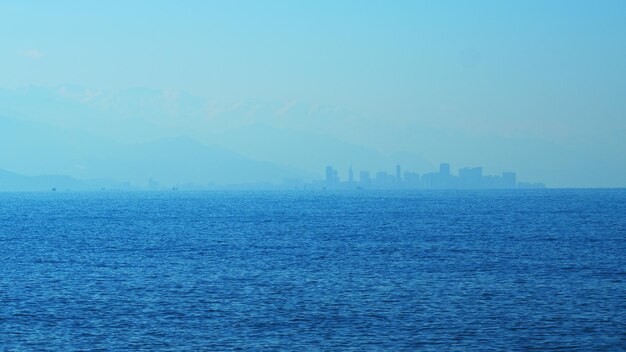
[
  {"x": 444, "y": 169},
  {"x": 350, "y": 174},
  {"x": 332, "y": 177},
  {"x": 364, "y": 178},
  {"x": 471, "y": 177}
]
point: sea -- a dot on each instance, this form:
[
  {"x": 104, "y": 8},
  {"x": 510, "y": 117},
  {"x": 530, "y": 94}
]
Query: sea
[{"x": 515, "y": 270}]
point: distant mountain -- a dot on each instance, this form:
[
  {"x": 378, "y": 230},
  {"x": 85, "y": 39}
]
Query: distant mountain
[
  {"x": 10, "y": 181},
  {"x": 34, "y": 148},
  {"x": 311, "y": 151},
  {"x": 281, "y": 133},
  {"x": 13, "y": 182},
  {"x": 76, "y": 126},
  {"x": 127, "y": 116},
  {"x": 160, "y": 113},
  {"x": 183, "y": 160}
]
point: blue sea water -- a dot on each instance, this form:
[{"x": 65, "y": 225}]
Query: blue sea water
[{"x": 436, "y": 270}]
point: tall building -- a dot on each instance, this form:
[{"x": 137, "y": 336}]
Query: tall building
[
  {"x": 398, "y": 174},
  {"x": 471, "y": 177},
  {"x": 381, "y": 179},
  {"x": 350, "y": 174},
  {"x": 364, "y": 178},
  {"x": 332, "y": 177},
  {"x": 444, "y": 169},
  {"x": 411, "y": 179},
  {"x": 329, "y": 174}
]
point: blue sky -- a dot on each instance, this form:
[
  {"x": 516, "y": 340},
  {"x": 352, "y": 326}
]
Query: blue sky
[{"x": 553, "y": 70}]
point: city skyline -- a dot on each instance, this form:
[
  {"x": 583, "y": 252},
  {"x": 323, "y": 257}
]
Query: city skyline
[
  {"x": 444, "y": 178},
  {"x": 466, "y": 178}
]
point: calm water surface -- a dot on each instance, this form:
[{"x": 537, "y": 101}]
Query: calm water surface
[{"x": 455, "y": 270}]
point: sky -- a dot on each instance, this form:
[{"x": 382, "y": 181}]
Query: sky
[{"x": 546, "y": 72}]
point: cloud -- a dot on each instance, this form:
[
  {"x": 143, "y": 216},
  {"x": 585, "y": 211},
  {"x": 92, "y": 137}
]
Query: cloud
[{"x": 31, "y": 53}]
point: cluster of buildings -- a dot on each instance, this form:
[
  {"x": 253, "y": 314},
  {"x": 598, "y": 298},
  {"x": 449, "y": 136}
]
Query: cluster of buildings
[{"x": 467, "y": 178}]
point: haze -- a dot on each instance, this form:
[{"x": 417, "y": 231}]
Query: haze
[{"x": 250, "y": 91}]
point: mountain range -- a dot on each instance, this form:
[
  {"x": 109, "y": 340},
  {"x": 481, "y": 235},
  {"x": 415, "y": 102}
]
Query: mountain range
[
  {"x": 175, "y": 137},
  {"x": 130, "y": 136}
]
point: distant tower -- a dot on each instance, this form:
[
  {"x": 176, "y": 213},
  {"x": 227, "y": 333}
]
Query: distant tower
[
  {"x": 330, "y": 175},
  {"x": 444, "y": 169},
  {"x": 350, "y": 174},
  {"x": 364, "y": 177},
  {"x": 332, "y": 178},
  {"x": 398, "y": 174},
  {"x": 381, "y": 179}
]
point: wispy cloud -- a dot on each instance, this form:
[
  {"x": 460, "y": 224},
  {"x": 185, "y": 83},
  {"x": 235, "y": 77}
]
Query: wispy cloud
[{"x": 31, "y": 53}]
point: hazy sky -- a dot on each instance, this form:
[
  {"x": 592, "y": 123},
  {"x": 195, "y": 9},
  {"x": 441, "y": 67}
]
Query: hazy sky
[{"x": 552, "y": 70}]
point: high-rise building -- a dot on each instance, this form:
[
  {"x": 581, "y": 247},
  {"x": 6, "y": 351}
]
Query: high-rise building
[
  {"x": 398, "y": 174},
  {"x": 364, "y": 178},
  {"x": 444, "y": 169},
  {"x": 350, "y": 174},
  {"x": 411, "y": 179},
  {"x": 471, "y": 177},
  {"x": 329, "y": 174},
  {"x": 332, "y": 177},
  {"x": 381, "y": 179}
]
